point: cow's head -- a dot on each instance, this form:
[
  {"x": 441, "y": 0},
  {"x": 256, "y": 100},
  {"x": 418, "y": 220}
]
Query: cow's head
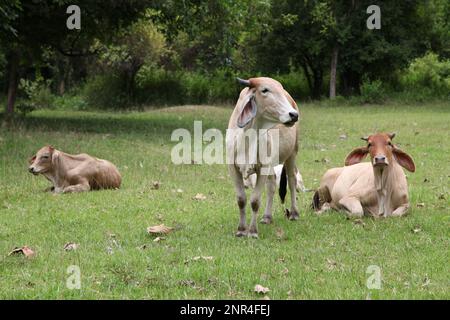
[
  {"x": 382, "y": 152},
  {"x": 42, "y": 162},
  {"x": 267, "y": 98}
]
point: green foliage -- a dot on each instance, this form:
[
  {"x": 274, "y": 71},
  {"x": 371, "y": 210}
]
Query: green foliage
[
  {"x": 428, "y": 74},
  {"x": 38, "y": 95},
  {"x": 105, "y": 92},
  {"x": 372, "y": 92},
  {"x": 71, "y": 102}
]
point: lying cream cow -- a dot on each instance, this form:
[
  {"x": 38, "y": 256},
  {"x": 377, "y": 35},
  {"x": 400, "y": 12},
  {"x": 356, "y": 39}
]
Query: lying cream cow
[
  {"x": 74, "y": 173},
  {"x": 377, "y": 188}
]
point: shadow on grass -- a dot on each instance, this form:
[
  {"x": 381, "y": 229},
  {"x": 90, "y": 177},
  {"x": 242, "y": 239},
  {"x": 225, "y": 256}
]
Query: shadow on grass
[{"x": 103, "y": 123}]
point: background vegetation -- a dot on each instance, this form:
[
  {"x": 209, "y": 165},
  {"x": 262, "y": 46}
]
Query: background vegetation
[{"x": 150, "y": 52}]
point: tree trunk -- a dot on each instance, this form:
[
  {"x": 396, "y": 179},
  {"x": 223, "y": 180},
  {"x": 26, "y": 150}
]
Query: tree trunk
[
  {"x": 13, "y": 83},
  {"x": 308, "y": 78},
  {"x": 317, "y": 85},
  {"x": 334, "y": 61}
]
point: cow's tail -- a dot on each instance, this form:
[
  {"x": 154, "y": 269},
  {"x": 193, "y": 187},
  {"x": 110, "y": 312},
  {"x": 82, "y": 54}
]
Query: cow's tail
[{"x": 282, "y": 190}]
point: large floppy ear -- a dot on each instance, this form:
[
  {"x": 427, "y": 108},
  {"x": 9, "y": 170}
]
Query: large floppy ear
[
  {"x": 32, "y": 159},
  {"x": 356, "y": 156},
  {"x": 291, "y": 100},
  {"x": 404, "y": 159},
  {"x": 248, "y": 108}
]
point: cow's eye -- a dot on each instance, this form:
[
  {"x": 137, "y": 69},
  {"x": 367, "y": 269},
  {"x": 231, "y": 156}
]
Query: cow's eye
[
  {"x": 265, "y": 90},
  {"x": 369, "y": 145},
  {"x": 45, "y": 157},
  {"x": 390, "y": 143}
]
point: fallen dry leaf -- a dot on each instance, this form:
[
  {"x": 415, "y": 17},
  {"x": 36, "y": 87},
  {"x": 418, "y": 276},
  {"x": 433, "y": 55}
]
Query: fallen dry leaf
[
  {"x": 25, "y": 250},
  {"x": 71, "y": 246},
  {"x": 155, "y": 185},
  {"x": 331, "y": 264},
  {"x": 421, "y": 205},
  {"x": 199, "y": 197},
  {"x": 260, "y": 289},
  {"x": 343, "y": 137},
  {"x": 159, "y": 239},
  {"x": 161, "y": 229},
  {"x": 416, "y": 229}
]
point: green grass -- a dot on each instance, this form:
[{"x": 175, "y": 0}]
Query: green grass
[{"x": 317, "y": 257}]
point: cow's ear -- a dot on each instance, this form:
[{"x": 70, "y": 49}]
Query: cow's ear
[
  {"x": 356, "y": 156},
  {"x": 404, "y": 159},
  {"x": 248, "y": 108},
  {"x": 291, "y": 100},
  {"x": 32, "y": 159}
]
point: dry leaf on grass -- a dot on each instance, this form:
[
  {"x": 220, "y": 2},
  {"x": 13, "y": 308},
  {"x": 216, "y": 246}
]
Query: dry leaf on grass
[
  {"x": 155, "y": 185},
  {"x": 260, "y": 289},
  {"x": 421, "y": 205},
  {"x": 199, "y": 197},
  {"x": 416, "y": 229},
  {"x": 25, "y": 250},
  {"x": 159, "y": 239},
  {"x": 71, "y": 246},
  {"x": 161, "y": 229},
  {"x": 331, "y": 264}
]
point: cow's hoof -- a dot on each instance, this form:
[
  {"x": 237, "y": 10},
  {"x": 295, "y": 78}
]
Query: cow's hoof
[
  {"x": 266, "y": 220},
  {"x": 292, "y": 216},
  {"x": 241, "y": 234},
  {"x": 253, "y": 235}
]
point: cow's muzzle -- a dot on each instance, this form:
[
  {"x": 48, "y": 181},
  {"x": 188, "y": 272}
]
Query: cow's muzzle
[
  {"x": 380, "y": 160},
  {"x": 293, "y": 120}
]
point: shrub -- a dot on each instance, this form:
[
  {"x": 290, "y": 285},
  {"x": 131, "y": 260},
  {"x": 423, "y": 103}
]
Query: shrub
[
  {"x": 71, "y": 102},
  {"x": 38, "y": 95},
  {"x": 427, "y": 76},
  {"x": 106, "y": 92},
  {"x": 372, "y": 92}
]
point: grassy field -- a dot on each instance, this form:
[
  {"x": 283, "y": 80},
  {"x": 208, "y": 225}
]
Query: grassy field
[{"x": 317, "y": 257}]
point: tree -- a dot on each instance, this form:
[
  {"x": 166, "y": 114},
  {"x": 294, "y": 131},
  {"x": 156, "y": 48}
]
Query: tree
[
  {"x": 131, "y": 48},
  {"x": 38, "y": 24}
]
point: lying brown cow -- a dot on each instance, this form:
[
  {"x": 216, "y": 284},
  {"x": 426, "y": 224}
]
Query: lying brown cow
[
  {"x": 378, "y": 188},
  {"x": 74, "y": 173}
]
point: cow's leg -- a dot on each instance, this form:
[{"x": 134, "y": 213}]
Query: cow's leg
[
  {"x": 292, "y": 214},
  {"x": 241, "y": 198},
  {"x": 353, "y": 206},
  {"x": 401, "y": 211},
  {"x": 255, "y": 201},
  {"x": 82, "y": 187},
  {"x": 271, "y": 187}
]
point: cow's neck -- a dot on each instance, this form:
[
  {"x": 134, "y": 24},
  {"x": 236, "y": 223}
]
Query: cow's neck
[
  {"x": 62, "y": 163},
  {"x": 385, "y": 182}
]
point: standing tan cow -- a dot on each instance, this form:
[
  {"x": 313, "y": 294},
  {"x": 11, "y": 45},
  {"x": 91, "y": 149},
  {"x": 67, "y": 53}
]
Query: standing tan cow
[
  {"x": 266, "y": 108},
  {"x": 378, "y": 188}
]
